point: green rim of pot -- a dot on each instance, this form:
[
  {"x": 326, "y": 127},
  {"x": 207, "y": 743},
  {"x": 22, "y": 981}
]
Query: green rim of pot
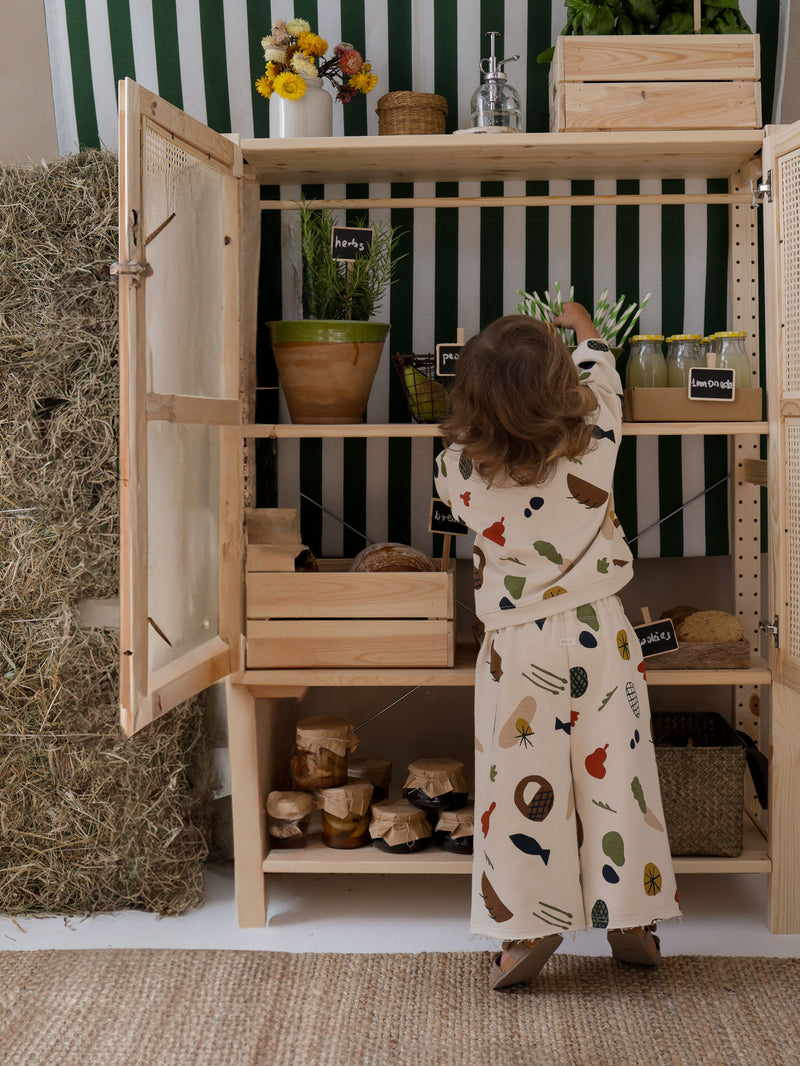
[{"x": 324, "y": 329}]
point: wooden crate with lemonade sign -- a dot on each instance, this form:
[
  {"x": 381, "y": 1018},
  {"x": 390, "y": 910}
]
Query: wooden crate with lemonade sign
[{"x": 659, "y": 82}]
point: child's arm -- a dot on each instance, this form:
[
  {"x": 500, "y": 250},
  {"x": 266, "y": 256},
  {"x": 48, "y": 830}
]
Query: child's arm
[
  {"x": 595, "y": 361},
  {"x": 574, "y": 316}
]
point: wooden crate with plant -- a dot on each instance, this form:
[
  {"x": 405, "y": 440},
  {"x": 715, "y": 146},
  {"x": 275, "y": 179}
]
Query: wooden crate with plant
[{"x": 654, "y": 65}]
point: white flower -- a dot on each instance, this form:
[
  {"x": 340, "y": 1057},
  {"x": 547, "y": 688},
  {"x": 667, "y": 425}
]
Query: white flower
[
  {"x": 273, "y": 54},
  {"x": 294, "y": 27},
  {"x": 303, "y": 65}
]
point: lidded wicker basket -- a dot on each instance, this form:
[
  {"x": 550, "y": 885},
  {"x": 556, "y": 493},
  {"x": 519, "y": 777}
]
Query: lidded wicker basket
[{"x": 411, "y": 113}]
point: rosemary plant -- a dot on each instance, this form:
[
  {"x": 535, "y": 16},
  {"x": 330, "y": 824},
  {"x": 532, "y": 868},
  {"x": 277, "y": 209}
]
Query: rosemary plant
[{"x": 336, "y": 290}]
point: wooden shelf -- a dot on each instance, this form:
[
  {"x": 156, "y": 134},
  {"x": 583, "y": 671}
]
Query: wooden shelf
[
  {"x": 316, "y": 858},
  {"x": 290, "y": 431},
  {"x": 516, "y": 157},
  {"x": 267, "y": 683}
]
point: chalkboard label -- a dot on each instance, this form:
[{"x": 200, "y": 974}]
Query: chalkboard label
[
  {"x": 707, "y": 383},
  {"x": 446, "y": 359},
  {"x": 442, "y": 520},
  {"x": 657, "y": 637},
  {"x": 349, "y": 243}
]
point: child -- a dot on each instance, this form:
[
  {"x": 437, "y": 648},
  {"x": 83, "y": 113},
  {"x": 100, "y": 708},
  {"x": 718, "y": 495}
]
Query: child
[{"x": 569, "y": 822}]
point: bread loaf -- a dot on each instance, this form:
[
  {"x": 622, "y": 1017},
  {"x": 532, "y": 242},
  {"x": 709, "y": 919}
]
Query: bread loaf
[
  {"x": 392, "y": 556},
  {"x": 677, "y": 614},
  {"x": 710, "y": 625}
]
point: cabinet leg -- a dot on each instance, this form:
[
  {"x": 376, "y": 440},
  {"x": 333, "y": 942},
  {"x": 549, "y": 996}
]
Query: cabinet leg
[
  {"x": 783, "y": 912},
  {"x": 249, "y": 821}
]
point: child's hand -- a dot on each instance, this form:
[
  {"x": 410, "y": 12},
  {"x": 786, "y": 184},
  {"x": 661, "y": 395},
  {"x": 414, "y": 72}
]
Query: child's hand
[{"x": 575, "y": 316}]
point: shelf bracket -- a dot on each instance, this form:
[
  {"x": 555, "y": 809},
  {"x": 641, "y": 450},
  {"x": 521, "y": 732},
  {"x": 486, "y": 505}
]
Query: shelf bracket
[{"x": 762, "y": 189}]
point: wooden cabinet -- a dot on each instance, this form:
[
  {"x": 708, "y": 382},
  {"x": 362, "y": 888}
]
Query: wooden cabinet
[{"x": 189, "y": 232}]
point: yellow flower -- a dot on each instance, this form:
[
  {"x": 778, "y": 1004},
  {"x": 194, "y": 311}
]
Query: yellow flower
[
  {"x": 264, "y": 86},
  {"x": 365, "y": 81},
  {"x": 290, "y": 86},
  {"x": 294, "y": 27},
  {"x": 312, "y": 45}
]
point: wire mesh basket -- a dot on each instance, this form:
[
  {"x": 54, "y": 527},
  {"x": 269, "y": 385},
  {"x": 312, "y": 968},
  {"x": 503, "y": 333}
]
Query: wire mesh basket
[{"x": 427, "y": 394}]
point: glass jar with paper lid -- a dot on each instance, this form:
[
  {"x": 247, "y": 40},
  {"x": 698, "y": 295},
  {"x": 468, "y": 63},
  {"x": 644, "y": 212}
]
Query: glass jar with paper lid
[
  {"x": 683, "y": 352},
  {"x": 646, "y": 368},
  {"x": 731, "y": 355}
]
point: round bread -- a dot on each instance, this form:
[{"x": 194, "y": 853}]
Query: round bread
[
  {"x": 677, "y": 614},
  {"x": 392, "y": 556},
  {"x": 710, "y": 625}
]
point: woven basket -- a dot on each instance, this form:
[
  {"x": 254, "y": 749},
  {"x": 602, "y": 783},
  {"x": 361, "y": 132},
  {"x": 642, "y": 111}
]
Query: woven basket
[
  {"x": 701, "y": 763},
  {"x": 426, "y": 394},
  {"x": 411, "y": 113}
]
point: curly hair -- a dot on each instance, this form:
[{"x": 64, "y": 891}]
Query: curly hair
[{"x": 517, "y": 405}]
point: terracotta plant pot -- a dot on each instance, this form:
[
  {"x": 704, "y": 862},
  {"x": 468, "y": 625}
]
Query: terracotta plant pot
[{"x": 327, "y": 367}]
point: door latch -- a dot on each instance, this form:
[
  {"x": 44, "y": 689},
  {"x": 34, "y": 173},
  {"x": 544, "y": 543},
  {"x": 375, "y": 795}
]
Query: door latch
[{"x": 773, "y": 628}]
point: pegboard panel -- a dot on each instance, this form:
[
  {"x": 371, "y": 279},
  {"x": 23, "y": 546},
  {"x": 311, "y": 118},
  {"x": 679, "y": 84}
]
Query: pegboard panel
[
  {"x": 745, "y": 522},
  {"x": 790, "y": 269}
]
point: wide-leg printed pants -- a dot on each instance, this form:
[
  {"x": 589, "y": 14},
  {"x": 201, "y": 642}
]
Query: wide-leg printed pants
[{"x": 569, "y": 826}]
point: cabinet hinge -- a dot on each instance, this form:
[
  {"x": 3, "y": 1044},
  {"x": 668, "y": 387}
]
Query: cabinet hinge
[
  {"x": 762, "y": 189},
  {"x": 773, "y": 628}
]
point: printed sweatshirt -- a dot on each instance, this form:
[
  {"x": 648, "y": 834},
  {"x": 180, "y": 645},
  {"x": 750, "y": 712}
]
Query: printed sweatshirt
[{"x": 543, "y": 549}]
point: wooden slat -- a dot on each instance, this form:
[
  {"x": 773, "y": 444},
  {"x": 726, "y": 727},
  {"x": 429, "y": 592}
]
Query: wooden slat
[
  {"x": 676, "y": 57},
  {"x": 348, "y": 642},
  {"x": 565, "y": 200},
  {"x": 345, "y": 595},
  {"x": 462, "y": 674},
  {"x": 249, "y": 785},
  {"x": 316, "y": 858},
  {"x": 189, "y": 674},
  {"x": 290, "y": 431},
  {"x": 656, "y": 105},
  {"x": 523, "y": 156}
]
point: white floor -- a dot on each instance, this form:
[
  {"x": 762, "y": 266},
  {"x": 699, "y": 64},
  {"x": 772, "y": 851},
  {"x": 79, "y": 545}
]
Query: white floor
[{"x": 723, "y": 915}]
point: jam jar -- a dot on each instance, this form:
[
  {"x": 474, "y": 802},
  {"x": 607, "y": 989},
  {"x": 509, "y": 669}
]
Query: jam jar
[
  {"x": 399, "y": 827},
  {"x": 436, "y": 784},
  {"x": 454, "y": 830},
  {"x": 377, "y": 771},
  {"x": 288, "y": 814},
  {"x": 345, "y": 814},
  {"x": 320, "y": 756}
]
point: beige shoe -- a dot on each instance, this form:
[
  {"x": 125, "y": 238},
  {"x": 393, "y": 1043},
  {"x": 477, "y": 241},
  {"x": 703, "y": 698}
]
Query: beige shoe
[
  {"x": 638, "y": 946},
  {"x": 522, "y": 960}
]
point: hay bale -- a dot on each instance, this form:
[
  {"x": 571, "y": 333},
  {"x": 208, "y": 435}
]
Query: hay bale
[{"x": 90, "y": 820}]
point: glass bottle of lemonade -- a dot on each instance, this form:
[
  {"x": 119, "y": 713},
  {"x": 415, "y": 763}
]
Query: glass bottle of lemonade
[
  {"x": 646, "y": 367},
  {"x": 730, "y": 351},
  {"x": 683, "y": 352}
]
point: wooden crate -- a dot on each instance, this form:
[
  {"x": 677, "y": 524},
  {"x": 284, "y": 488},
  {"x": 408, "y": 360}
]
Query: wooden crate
[
  {"x": 659, "y": 82},
  {"x": 339, "y": 619},
  {"x": 703, "y": 655},
  {"x": 674, "y": 405}
]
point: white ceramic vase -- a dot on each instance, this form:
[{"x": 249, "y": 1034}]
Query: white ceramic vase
[{"x": 310, "y": 116}]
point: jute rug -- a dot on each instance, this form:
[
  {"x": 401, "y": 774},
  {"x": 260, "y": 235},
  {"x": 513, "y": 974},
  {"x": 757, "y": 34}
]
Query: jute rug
[{"x": 243, "y": 1008}]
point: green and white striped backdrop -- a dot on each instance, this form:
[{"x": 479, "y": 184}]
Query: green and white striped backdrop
[{"x": 463, "y": 267}]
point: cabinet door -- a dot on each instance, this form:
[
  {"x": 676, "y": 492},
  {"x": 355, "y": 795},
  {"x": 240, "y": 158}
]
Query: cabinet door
[
  {"x": 182, "y": 336},
  {"x": 781, "y": 162},
  {"x": 781, "y": 165}
]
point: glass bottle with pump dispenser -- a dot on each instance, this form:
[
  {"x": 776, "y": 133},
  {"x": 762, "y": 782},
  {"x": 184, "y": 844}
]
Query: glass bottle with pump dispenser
[{"x": 495, "y": 104}]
